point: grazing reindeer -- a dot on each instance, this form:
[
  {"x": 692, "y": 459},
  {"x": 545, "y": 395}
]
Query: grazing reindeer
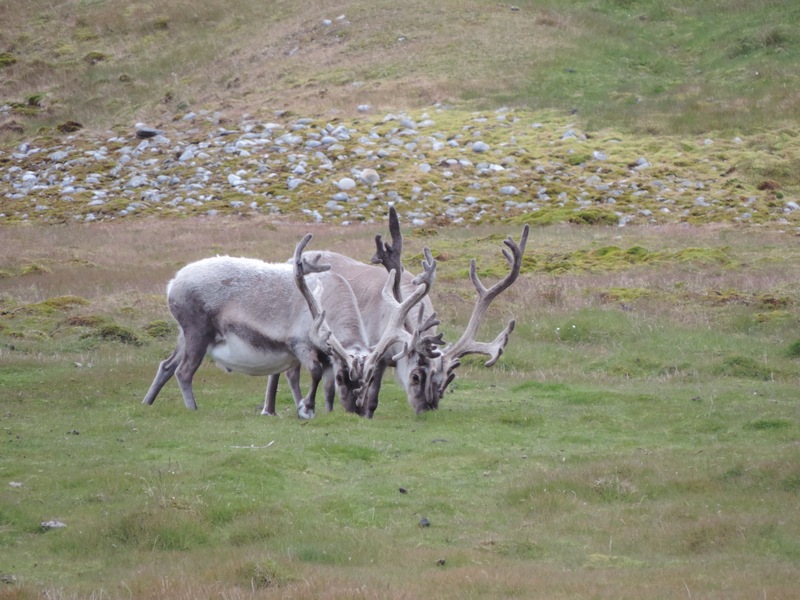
[
  {"x": 250, "y": 317},
  {"x": 385, "y": 319},
  {"x": 435, "y": 369},
  {"x": 424, "y": 369}
]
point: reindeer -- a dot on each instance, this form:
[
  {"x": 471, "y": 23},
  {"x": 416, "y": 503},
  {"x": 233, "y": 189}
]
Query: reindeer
[
  {"x": 432, "y": 369},
  {"x": 384, "y": 319},
  {"x": 250, "y": 317},
  {"x": 423, "y": 368}
]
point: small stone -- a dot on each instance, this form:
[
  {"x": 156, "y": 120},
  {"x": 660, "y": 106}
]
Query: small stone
[
  {"x": 47, "y": 525},
  {"x": 294, "y": 183},
  {"x": 144, "y": 133},
  {"x": 424, "y": 522},
  {"x": 369, "y": 176},
  {"x": 58, "y": 155},
  {"x": 345, "y": 183},
  {"x": 480, "y": 147}
]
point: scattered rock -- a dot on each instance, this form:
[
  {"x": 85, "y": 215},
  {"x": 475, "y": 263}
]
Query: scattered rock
[
  {"x": 424, "y": 522},
  {"x": 48, "y": 525},
  {"x": 370, "y": 177},
  {"x": 290, "y": 165},
  {"x": 144, "y": 133},
  {"x": 345, "y": 184}
]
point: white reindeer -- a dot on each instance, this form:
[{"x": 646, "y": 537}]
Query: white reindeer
[
  {"x": 251, "y": 317},
  {"x": 261, "y": 318}
]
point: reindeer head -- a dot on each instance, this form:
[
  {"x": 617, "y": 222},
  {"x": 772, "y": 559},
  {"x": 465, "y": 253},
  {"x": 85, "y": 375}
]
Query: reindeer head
[
  {"x": 395, "y": 333},
  {"x": 348, "y": 362}
]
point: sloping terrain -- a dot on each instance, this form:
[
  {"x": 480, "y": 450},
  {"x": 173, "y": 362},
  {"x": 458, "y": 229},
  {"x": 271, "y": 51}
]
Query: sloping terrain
[{"x": 648, "y": 65}]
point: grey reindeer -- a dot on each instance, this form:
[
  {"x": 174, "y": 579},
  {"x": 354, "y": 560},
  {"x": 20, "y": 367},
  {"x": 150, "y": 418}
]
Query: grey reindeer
[{"x": 425, "y": 366}]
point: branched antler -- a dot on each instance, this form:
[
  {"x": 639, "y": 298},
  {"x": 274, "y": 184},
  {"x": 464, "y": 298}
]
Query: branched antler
[
  {"x": 395, "y": 331},
  {"x": 466, "y": 344},
  {"x": 321, "y": 335}
]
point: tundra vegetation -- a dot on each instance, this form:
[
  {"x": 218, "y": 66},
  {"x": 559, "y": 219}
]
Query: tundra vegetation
[{"x": 640, "y": 435}]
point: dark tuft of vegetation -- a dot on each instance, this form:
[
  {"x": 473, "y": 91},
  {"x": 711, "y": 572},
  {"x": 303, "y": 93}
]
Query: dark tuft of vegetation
[{"x": 113, "y": 332}]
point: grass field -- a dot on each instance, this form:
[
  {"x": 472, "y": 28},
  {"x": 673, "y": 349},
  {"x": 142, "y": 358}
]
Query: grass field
[{"x": 640, "y": 437}]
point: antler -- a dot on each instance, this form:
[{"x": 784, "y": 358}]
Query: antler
[
  {"x": 466, "y": 344},
  {"x": 389, "y": 255},
  {"x": 302, "y": 267},
  {"x": 395, "y": 330},
  {"x": 321, "y": 336}
]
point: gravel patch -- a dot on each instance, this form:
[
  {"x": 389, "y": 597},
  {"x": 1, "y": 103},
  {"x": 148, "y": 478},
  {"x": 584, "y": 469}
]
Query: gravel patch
[{"x": 441, "y": 166}]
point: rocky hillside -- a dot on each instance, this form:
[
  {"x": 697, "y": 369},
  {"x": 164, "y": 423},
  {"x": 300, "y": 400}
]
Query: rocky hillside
[
  {"x": 601, "y": 111},
  {"x": 439, "y": 166}
]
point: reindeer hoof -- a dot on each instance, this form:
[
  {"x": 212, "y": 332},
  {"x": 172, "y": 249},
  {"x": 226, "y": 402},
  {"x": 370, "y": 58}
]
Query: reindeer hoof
[{"x": 305, "y": 413}]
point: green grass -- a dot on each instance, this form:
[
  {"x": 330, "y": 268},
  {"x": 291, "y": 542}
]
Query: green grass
[{"x": 645, "y": 443}]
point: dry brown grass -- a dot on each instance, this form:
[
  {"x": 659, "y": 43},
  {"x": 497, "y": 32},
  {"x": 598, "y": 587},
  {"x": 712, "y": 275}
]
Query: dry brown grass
[{"x": 237, "y": 56}]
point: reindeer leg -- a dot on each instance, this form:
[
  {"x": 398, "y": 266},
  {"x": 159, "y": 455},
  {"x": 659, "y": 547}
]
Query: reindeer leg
[
  {"x": 328, "y": 388},
  {"x": 195, "y": 346},
  {"x": 293, "y": 377},
  {"x": 306, "y": 409},
  {"x": 272, "y": 392},
  {"x": 165, "y": 371},
  {"x": 371, "y": 401}
]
